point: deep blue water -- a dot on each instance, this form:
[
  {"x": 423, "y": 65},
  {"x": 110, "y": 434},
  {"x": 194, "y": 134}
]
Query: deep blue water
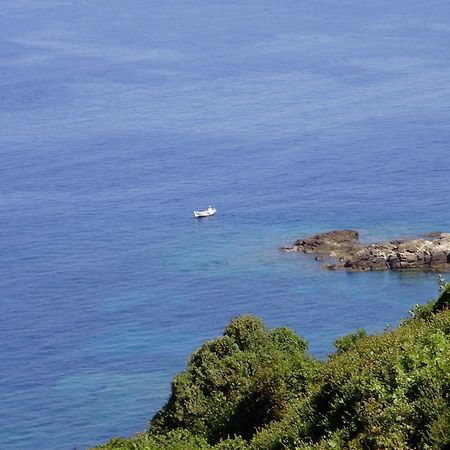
[{"x": 118, "y": 119}]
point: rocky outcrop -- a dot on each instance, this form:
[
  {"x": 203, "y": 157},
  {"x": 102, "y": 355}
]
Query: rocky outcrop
[{"x": 430, "y": 252}]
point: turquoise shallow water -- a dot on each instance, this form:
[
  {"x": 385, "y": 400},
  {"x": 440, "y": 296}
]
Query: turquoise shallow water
[{"x": 118, "y": 120}]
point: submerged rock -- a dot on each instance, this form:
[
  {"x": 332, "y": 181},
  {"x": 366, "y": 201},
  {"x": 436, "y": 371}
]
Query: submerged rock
[{"x": 431, "y": 252}]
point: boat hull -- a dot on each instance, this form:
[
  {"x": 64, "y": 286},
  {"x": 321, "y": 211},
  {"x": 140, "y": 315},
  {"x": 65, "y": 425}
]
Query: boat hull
[{"x": 207, "y": 213}]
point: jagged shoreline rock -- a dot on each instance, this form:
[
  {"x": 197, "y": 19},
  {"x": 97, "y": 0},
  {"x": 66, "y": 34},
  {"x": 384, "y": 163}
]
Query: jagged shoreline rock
[{"x": 431, "y": 252}]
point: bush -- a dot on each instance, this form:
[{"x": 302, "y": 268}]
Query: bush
[
  {"x": 238, "y": 383},
  {"x": 390, "y": 391},
  {"x": 349, "y": 341},
  {"x": 172, "y": 440},
  {"x": 257, "y": 389}
]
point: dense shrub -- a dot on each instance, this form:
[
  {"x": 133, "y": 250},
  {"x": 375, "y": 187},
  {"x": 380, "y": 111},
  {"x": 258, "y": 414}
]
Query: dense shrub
[
  {"x": 238, "y": 383},
  {"x": 257, "y": 389},
  {"x": 349, "y": 341},
  {"x": 172, "y": 440},
  {"x": 391, "y": 391}
]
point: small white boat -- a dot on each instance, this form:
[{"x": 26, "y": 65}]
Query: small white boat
[{"x": 206, "y": 213}]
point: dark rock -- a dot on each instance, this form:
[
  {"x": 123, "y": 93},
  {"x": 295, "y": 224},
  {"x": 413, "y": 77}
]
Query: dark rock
[
  {"x": 344, "y": 246},
  {"x": 329, "y": 243}
]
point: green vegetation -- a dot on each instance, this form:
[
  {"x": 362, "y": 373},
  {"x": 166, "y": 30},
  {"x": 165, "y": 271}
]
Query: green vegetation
[{"x": 256, "y": 388}]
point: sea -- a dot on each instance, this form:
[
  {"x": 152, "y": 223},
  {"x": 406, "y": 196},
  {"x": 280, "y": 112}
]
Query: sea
[{"x": 119, "y": 119}]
